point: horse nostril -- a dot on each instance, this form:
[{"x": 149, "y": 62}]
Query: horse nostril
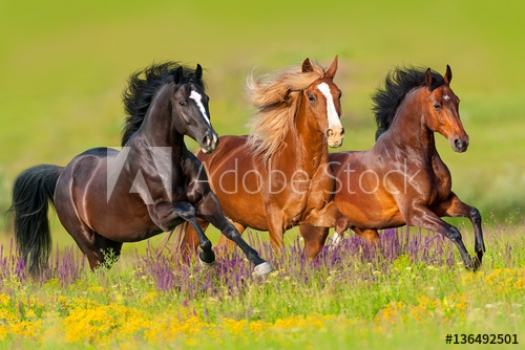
[
  {"x": 206, "y": 140},
  {"x": 329, "y": 133},
  {"x": 458, "y": 143},
  {"x": 342, "y": 131}
]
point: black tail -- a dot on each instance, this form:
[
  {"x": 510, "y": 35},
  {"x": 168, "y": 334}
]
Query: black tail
[{"x": 31, "y": 192}]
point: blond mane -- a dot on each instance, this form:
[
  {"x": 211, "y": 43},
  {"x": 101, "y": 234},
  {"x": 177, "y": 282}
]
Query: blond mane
[{"x": 277, "y": 98}]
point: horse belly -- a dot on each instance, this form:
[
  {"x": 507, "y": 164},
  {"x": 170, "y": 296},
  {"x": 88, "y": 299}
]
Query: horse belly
[
  {"x": 243, "y": 207},
  {"x": 123, "y": 224},
  {"x": 366, "y": 208}
]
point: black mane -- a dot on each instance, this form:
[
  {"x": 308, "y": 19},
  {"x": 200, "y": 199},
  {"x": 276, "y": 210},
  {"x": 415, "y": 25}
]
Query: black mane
[
  {"x": 397, "y": 84},
  {"x": 142, "y": 87}
]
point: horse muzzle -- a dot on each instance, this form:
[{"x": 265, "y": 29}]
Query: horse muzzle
[
  {"x": 335, "y": 136},
  {"x": 460, "y": 143},
  {"x": 210, "y": 142}
]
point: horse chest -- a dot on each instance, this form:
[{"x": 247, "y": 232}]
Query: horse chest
[
  {"x": 316, "y": 194},
  {"x": 437, "y": 184}
]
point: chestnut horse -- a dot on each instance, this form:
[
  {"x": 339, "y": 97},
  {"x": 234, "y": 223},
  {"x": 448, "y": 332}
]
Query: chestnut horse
[
  {"x": 279, "y": 176},
  {"x": 104, "y": 197},
  {"x": 402, "y": 179}
]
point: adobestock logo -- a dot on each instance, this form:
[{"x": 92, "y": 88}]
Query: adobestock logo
[
  {"x": 275, "y": 181},
  {"x": 158, "y": 175},
  {"x": 368, "y": 181},
  {"x": 159, "y": 171}
]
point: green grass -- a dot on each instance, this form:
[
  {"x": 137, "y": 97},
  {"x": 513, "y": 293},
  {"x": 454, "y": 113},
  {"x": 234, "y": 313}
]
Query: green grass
[{"x": 353, "y": 303}]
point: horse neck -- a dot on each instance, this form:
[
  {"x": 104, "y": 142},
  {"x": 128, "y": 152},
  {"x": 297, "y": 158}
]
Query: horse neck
[
  {"x": 409, "y": 131},
  {"x": 157, "y": 129},
  {"x": 306, "y": 145}
]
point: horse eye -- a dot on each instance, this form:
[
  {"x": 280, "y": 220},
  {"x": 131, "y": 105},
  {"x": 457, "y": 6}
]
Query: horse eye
[
  {"x": 311, "y": 98},
  {"x": 437, "y": 107},
  {"x": 182, "y": 103}
]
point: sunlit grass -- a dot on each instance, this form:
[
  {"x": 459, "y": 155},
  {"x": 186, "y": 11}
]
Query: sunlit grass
[{"x": 414, "y": 290}]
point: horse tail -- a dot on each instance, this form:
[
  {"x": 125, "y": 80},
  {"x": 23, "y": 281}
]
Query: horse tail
[
  {"x": 31, "y": 192},
  {"x": 183, "y": 241},
  {"x": 179, "y": 241}
]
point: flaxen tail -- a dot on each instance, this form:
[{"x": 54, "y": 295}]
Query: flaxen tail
[
  {"x": 31, "y": 192},
  {"x": 180, "y": 246}
]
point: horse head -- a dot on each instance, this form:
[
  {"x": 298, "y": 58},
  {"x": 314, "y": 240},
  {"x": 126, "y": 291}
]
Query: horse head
[
  {"x": 441, "y": 112},
  {"x": 189, "y": 107},
  {"x": 323, "y": 98}
]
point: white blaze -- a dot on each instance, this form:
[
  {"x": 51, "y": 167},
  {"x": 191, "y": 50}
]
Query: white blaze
[
  {"x": 195, "y": 96},
  {"x": 333, "y": 117}
]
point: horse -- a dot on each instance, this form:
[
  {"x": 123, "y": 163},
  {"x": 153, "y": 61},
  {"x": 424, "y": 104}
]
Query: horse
[
  {"x": 402, "y": 180},
  {"x": 278, "y": 176},
  {"x": 104, "y": 197}
]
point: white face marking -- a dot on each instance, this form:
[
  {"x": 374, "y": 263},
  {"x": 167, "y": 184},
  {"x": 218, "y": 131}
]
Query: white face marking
[
  {"x": 195, "y": 96},
  {"x": 446, "y": 97},
  {"x": 333, "y": 117}
]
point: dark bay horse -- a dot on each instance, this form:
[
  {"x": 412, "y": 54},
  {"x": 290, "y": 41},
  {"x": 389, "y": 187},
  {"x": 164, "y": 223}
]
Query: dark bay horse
[
  {"x": 402, "y": 179},
  {"x": 104, "y": 197},
  {"x": 279, "y": 176}
]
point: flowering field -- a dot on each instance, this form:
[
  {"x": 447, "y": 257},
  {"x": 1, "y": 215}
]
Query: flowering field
[{"x": 410, "y": 292}]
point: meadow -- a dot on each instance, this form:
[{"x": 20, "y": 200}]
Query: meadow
[
  {"x": 63, "y": 67},
  {"x": 410, "y": 293}
]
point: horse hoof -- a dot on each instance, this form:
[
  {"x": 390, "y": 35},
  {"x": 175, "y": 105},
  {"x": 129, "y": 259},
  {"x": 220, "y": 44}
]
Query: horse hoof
[
  {"x": 206, "y": 264},
  {"x": 476, "y": 264},
  {"x": 473, "y": 265},
  {"x": 336, "y": 240},
  {"x": 263, "y": 269},
  {"x": 207, "y": 258}
]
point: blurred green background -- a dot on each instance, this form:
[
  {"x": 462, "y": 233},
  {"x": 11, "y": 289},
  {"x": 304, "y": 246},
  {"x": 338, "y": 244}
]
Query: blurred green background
[{"x": 64, "y": 65}]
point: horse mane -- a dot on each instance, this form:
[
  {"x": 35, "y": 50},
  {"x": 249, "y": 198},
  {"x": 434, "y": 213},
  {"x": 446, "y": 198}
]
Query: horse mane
[
  {"x": 143, "y": 85},
  {"x": 398, "y": 84},
  {"x": 276, "y": 97}
]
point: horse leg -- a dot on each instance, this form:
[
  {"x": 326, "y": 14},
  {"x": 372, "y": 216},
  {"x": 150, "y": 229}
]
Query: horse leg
[
  {"x": 425, "y": 218},
  {"x": 370, "y": 236},
  {"x": 189, "y": 213},
  {"x": 87, "y": 242},
  {"x": 454, "y": 207},
  {"x": 275, "y": 228},
  {"x": 314, "y": 239},
  {"x": 226, "y": 246},
  {"x": 341, "y": 225},
  {"x": 167, "y": 215},
  {"x": 191, "y": 243},
  {"x": 84, "y": 236},
  {"x": 210, "y": 210},
  {"x": 94, "y": 246},
  {"x": 109, "y": 248}
]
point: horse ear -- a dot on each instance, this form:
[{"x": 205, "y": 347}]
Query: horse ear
[
  {"x": 428, "y": 78},
  {"x": 198, "y": 72},
  {"x": 177, "y": 77},
  {"x": 448, "y": 75},
  {"x": 333, "y": 68},
  {"x": 307, "y": 66}
]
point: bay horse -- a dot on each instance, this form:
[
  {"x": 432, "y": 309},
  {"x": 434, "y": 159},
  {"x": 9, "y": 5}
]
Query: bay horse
[
  {"x": 104, "y": 197},
  {"x": 402, "y": 180},
  {"x": 278, "y": 176}
]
